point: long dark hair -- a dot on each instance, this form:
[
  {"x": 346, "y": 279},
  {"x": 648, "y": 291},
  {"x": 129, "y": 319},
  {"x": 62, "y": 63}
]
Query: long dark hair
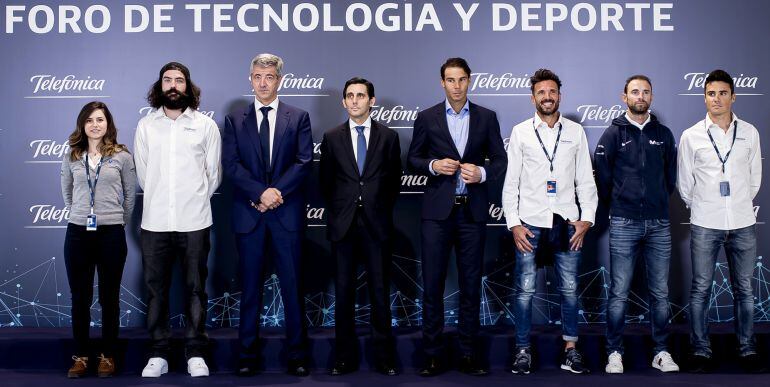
[
  {"x": 155, "y": 95},
  {"x": 78, "y": 141}
]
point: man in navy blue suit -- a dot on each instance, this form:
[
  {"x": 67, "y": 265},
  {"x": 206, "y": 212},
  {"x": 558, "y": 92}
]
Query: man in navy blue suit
[
  {"x": 450, "y": 143},
  {"x": 266, "y": 153}
]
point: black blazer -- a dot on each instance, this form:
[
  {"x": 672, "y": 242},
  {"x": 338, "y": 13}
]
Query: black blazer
[
  {"x": 342, "y": 185},
  {"x": 431, "y": 141}
]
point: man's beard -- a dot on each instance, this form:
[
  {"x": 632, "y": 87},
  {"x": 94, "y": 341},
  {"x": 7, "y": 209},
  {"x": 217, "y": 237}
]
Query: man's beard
[
  {"x": 175, "y": 100},
  {"x": 547, "y": 112},
  {"x": 633, "y": 108}
]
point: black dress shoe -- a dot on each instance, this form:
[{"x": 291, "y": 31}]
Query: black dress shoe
[
  {"x": 246, "y": 368},
  {"x": 342, "y": 368},
  {"x": 432, "y": 367},
  {"x": 752, "y": 364},
  {"x": 298, "y": 368},
  {"x": 387, "y": 368},
  {"x": 700, "y": 364},
  {"x": 471, "y": 366}
]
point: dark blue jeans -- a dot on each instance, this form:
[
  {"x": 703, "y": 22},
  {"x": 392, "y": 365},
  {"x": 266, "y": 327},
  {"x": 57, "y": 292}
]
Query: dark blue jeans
[
  {"x": 741, "y": 250},
  {"x": 629, "y": 240},
  {"x": 566, "y": 264}
]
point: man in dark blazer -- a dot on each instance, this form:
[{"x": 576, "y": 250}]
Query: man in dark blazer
[
  {"x": 361, "y": 179},
  {"x": 266, "y": 154},
  {"x": 450, "y": 143}
]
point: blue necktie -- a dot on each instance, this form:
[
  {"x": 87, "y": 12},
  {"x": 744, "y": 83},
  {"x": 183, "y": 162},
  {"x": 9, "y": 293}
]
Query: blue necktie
[
  {"x": 361, "y": 149},
  {"x": 264, "y": 136}
]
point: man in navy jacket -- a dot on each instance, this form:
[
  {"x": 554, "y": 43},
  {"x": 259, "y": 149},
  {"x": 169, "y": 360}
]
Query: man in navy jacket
[
  {"x": 266, "y": 153},
  {"x": 450, "y": 143},
  {"x": 636, "y": 172}
]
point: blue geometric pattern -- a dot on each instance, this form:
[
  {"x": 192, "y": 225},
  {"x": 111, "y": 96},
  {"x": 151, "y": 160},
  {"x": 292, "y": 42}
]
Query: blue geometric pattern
[{"x": 38, "y": 296}]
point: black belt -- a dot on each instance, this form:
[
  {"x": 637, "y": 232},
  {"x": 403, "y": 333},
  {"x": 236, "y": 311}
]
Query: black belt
[{"x": 462, "y": 200}]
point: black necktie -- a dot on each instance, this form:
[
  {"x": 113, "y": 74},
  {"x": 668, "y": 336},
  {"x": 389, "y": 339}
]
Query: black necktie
[{"x": 264, "y": 136}]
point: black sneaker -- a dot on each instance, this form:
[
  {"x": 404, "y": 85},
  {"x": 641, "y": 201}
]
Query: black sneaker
[
  {"x": 752, "y": 364},
  {"x": 700, "y": 364},
  {"x": 573, "y": 361},
  {"x": 521, "y": 362}
]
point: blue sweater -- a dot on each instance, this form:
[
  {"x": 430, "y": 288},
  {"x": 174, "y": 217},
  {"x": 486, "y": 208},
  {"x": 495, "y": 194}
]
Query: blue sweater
[{"x": 636, "y": 169}]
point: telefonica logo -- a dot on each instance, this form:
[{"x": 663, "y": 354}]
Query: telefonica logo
[
  {"x": 148, "y": 109},
  {"x": 496, "y": 212},
  {"x": 294, "y": 82},
  {"x": 598, "y": 114},
  {"x": 45, "y": 149},
  {"x": 48, "y": 214},
  {"x": 409, "y": 181},
  {"x": 392, "y": 114},
  {"x": 484, "y": 82},
  {"x": 314, "y": 213},
  {"x": 698, "y": 81},
  {"x": 68, "y": 86}
]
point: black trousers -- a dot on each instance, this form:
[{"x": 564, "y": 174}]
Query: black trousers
[
  {"x": 85, "y": 252},
  {"x": 438, "y": 237},
  {"x": 360, "y": 246},
  {"x": 159, "y": 251}
]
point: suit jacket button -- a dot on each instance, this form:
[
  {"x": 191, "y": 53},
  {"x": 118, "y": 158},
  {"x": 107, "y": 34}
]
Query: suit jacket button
[{"x": 361, "y": 183}]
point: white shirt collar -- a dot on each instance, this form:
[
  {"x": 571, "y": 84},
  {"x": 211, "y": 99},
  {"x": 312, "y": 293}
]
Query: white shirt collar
[
  {"x": 710, "y": 123},
  {"x": 537, "y": 122},
  {"x": 367, "y": 124},
  {"x": 273, "y": 104},
  {"x": 160, "y": 112}
]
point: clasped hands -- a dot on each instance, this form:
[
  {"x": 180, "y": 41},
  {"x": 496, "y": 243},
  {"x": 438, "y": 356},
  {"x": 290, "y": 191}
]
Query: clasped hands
[
  {"x": 470, "y": 173},
  {"x": 269, "y": 200}
]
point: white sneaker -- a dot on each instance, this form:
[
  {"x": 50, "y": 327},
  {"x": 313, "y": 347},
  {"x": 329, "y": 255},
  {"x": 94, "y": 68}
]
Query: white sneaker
[
  {"x": 664, "y": 362},
  {"x": 196, "y": 367},
  {"x": 155, "y": 367},
  {"x": 614, "y": 363}
]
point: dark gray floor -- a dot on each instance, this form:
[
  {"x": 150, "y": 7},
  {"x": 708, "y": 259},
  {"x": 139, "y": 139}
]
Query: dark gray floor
[{"x": 549, "y": 377}]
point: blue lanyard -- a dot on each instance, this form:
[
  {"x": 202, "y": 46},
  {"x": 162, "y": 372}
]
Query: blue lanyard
[
  {"x": 92, "y": 186},
  {"x": 727, "y": 155},
  {"x": 552, "y": 157}
]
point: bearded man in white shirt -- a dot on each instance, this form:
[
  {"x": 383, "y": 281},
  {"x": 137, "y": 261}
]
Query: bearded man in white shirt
[
  {"x": 719, "y": 174},
  {"x": 177, "y": 152},
  {"x": 548, "y": 165}
]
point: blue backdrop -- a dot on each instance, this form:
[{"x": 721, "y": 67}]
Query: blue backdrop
[{"x": 55, "y": 58}]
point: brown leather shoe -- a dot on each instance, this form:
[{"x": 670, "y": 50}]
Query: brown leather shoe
[
  {"x": 79, "y": 368},
  {"x": 106, "y": 367}
]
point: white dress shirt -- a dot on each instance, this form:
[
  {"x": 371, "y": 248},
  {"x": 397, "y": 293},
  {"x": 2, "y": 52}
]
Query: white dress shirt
[
  {"x": 354, "y": 134},
  {"x": 700, "y": 174},
  {"x": 178, "y": 166},
  {"x": 524, "y": 192},
  {"x": 271, "y": 114}
]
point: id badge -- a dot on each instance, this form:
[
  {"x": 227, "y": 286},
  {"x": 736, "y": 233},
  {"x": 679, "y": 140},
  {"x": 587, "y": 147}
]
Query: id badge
[
  {"x": 91, "y": 222},
  {"x": 724, "y": 188},
  {"x": 550, "y": 188}
]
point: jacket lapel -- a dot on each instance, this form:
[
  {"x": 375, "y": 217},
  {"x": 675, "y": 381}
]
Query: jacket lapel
[
  {"x": 347, "y": 145},
  {"x": 374, "y": 138},
  {"x": 473, "y": 124},
  {"x": 444, "y": 129},
  {"x": 250, "y": 126},
  {"x": 282, "y": 117}
]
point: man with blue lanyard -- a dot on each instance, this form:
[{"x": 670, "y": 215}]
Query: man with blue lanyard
[
  {"x": 549, "y": 165},
  {"x": 720, "y": 171}
]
